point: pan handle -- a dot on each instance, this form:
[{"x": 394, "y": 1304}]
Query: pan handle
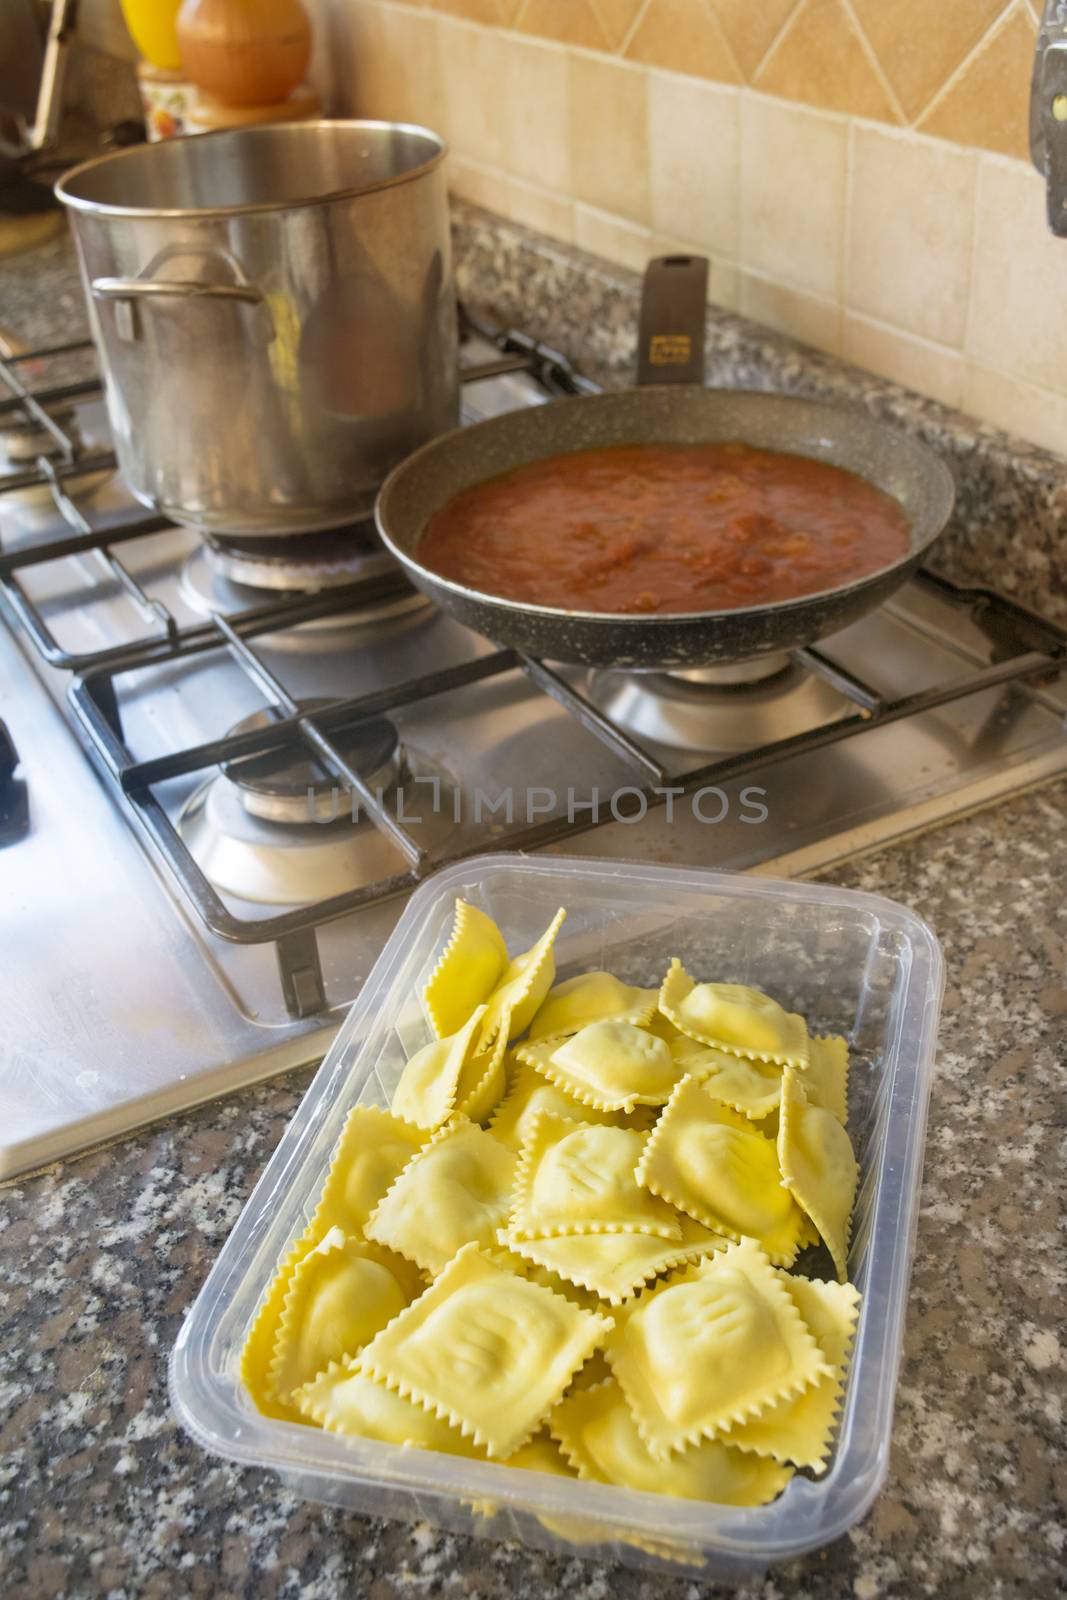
[{"x": 670, "y": 341}]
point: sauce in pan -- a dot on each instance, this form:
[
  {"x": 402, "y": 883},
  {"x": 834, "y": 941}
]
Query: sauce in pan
[{"x": 663, "y": 528}]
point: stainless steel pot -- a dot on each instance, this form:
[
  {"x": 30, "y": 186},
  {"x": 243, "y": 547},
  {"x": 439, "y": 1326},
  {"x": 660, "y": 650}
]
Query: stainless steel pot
[{"x": 275, "y": 316}]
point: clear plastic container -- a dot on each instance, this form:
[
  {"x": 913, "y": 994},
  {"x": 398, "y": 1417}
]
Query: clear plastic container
[{"x": 850, "y": 962}]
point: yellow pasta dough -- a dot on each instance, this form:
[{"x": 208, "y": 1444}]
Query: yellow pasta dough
[
  {"x": 337, "y": 1299},
  {"x": 456, "y": 1189},
  {"x": 483, "y": 1078},
  {"x": 610, "y": 1065},
  {"x": 373, "y": 1148},
  {"x": 598, "y": 1435},
  {"x": 750, "y": 1087},
  {"x": 429, "y": 1085},
  {"x": 662, "y": 1153},
  {"x": 530, "y": 1094},
  {"x": 826, "y": 1078},
  {"x": 799, "y": 1430},
  {"x": 712, "y": 1163},
  {"x": 809, "y": 1233},
  {"x": 711, "y": 1348},
  {"x": 615, "y": 1265},
  {"x": 486, "y": 1349},
  {"x": 469, "y": 970},
  {"x": 344, "y": 1401},
  {"x": 743, "y": 1021},
  {"x": 591, "y": 997},
  {"x": 523, "y": 985},
  {"x": 526, "y": 1267},
  {"x": 579, "y": 1178},
  {"x": 541, "y": 1454},
  {"x": 818, "y": 1167},
  {"x": 258, "y": 1351}
]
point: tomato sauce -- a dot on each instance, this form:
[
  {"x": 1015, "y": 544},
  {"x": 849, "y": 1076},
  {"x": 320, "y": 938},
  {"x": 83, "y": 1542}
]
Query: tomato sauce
[{"x": 661, "y": 528}]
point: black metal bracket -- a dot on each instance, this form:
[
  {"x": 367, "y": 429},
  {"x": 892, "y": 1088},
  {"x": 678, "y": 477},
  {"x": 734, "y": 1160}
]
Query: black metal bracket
[{"x": 301, "y": 973}]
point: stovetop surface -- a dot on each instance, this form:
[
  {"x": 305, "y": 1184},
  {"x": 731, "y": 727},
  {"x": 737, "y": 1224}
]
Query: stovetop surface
[{"x": 121, "y": 1005}]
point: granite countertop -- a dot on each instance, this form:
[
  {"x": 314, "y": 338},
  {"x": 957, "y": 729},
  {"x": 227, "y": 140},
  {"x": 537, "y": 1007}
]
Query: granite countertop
[{"x": 101, "y": 1495}]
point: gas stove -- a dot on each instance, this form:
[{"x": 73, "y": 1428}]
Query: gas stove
[{"x": 229, "y": 761}]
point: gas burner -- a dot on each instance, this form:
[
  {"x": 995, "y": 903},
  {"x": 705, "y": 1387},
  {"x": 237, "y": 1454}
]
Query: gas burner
[
  {"x": 290, "y": 786},
  {"x": 303, "y": 563},
  {"x": 700, "y": 711},
  {"x": 736, "y": 674},
  {"x": 263, "y": 862},
  {"x": 207, "y": 588},
  {"x": 21, "y": 443}
]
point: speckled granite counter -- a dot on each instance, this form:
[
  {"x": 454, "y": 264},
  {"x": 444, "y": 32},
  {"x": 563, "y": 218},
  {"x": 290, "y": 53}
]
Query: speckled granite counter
[{"x": 100, "y": 1495}]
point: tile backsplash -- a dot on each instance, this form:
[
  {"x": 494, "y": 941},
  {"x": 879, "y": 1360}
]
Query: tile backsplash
[{"x": 856, "y": 169}]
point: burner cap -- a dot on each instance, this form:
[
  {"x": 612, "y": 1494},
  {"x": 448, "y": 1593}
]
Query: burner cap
[
  {"x": 23, "y": 440},
  {"x": 736, "y": 674},
  {"x": 683, "y": 714},
  {"x": 261, "y": 862},
  {"x": 208, "y": 587},
  {"x": 276, "y": 786},
  {"x": 307, "y": 562}
]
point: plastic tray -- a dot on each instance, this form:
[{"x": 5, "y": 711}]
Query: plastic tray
[{"x": 850, "y": 962}]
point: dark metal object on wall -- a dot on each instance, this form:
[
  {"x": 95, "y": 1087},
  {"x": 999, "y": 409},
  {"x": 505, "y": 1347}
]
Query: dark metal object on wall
[{"x": 28, "y": 133}]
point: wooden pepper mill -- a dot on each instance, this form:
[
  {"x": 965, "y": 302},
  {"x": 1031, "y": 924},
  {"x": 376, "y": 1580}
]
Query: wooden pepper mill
[{"x": 245, "y": 53}]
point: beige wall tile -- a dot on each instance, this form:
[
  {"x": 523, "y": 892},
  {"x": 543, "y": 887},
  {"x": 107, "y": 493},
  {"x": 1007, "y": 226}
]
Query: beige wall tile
[
  {"x": 910, "y": 233},
  {"x": 694, "y": 152},
  {"x": 612, "y": 237},
  {"x": 482, "y": 186},
  {"x": 683, "y": 35},
  {"x": 536, "y": 208},
  {"x": 492, "y": 12},
  {"x": 537, "y": 134},
  {"x": 1018, "y": 320},
  {"x": 929, "y": 368},
  {"x": 608, "y": 121},
  {"x": 988, "y": 104},
  {"x": 820, "y": 59},
  {"x": 803, "y": 316},
  {"x": 384, "y": 62},
  {"x": 474, "y": 90},
  {"x": 751, "y": 27},
  {"x": 572, "y": 21},
  {"x": 919, "y": 44},
  {"x": 849, "y": 236},
  {"x": 617, "y": 18},
  {"x": 793, "y": 165},
  {"x": 1019, "y": 407}
]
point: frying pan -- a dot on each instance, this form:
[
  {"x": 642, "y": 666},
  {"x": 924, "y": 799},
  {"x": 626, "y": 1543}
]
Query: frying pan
[{"x": 669, "y": 406}]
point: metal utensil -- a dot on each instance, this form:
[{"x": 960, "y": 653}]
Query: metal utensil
[
  {"x": 666, "y": 413},
  {"x": 26, "y": 138},
  {"x": 275, "y": 316}
]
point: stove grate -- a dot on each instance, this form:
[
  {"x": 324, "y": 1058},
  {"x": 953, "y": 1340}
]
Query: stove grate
[{"x": 1025, "y": 647}]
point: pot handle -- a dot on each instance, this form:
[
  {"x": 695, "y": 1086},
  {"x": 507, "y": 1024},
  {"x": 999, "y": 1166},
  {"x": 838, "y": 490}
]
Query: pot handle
[
  {"x": 670, "y": 340},
  {"x": 144, "y": 289},
  {"x": 126, "y": 294}
]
